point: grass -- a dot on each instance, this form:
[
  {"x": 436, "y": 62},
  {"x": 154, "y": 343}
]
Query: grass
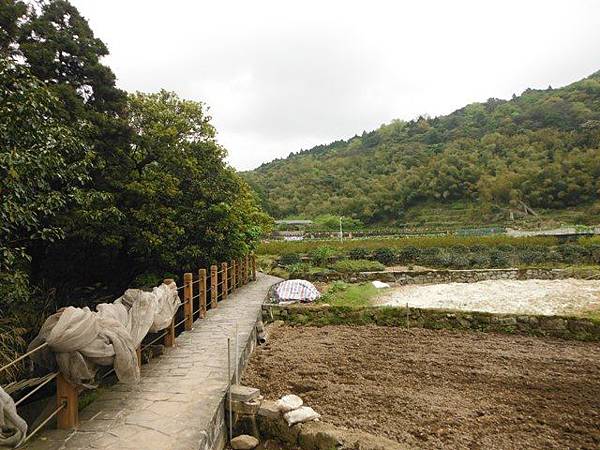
[
  {"x": 282, "y": 247},
  {"x": 345, "y": 294}
]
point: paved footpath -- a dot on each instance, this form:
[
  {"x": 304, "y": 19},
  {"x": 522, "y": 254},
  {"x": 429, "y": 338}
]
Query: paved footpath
[{"x": 179, "y": 401}]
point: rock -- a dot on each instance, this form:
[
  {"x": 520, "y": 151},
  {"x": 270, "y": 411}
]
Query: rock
[
  {"x": 244, "y": 442},
  {"x": 244, "y": 393},
  {"x": 269, "y": 408}
]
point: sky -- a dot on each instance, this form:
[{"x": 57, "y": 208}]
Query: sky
[{"x": 280, "y": 76}]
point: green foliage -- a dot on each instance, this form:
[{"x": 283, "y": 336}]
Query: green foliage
[
  {"x": 385, "y": 255},
  {"x": 43, "y": 166},
  {"x": 281, "y": 247},
  {"x": 357, "y": 265},
  {"x": 320, "y": 255},
  {"x": 540, "y": 149},
  {"x": 289, "y": 259},
  {"x": 330, "y": 222},
  {"x": 358, "y": 253}
]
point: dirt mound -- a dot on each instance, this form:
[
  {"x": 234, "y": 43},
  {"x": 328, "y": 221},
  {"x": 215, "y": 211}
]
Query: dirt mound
[{"x": 433, "y": 389}]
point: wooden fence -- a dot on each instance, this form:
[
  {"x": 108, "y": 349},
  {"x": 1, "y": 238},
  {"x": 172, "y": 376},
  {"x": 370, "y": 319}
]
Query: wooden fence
[{"x": 201, "y": 291}]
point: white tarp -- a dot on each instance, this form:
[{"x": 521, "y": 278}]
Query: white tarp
[
  {"x": 297, "y": 290},
  {"x": 80, "y": 340}
]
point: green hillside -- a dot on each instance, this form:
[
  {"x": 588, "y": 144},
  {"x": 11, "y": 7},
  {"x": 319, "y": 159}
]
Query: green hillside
[{"x": 539, "y": 151}]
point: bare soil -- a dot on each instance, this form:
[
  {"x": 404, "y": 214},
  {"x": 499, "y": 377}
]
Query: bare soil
[{"x": 439, "y": 389}]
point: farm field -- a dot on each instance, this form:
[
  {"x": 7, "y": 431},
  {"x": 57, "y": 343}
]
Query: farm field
[
  {"x": 550, "y": 297},
  {"x": 438, "y": 389}
]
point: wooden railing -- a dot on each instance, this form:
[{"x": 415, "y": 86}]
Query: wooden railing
[{"x": 215, "y": 284}]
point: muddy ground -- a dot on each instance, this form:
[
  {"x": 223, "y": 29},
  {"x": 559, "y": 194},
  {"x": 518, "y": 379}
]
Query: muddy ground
[{"x": 439, "y": 389}]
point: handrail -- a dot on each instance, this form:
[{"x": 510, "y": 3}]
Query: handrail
[
  {"x": 37, "y": 388},
  {"x": 46, "y": 420},
  {"x": 242, "y": 273},
  {"x": 25, "y": 355}
]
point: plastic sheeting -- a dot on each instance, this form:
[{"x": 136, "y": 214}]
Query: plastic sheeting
[
  {"x": 296, "y": 291},
  {"x": 12, "y": 427},
  {"x": 80, "y": 340}
]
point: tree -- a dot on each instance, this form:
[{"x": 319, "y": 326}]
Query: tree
[{"x": 43, "y": 166}]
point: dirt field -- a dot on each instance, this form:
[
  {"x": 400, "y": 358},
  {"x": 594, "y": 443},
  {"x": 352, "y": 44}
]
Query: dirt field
[
  {"x": 439, "y": 389},
  {"x": 503, "y": 296}
]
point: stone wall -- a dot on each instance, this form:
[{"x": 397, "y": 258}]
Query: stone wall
[
  {"x": 458, "y": 276},
  {"x": 535, "y": 325}
]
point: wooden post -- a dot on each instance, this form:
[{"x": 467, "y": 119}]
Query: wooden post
[
  {"x": 233, "y": 274},
  {"x": 68, "y": 417},
  {"x": 246, "y": 270},
  {"x": 169, "y": 340},
  {"x": 240, "y": 277},
  {"x": 138, "y": 352},
  {"x": 253, "y": 267},
  {"x": 188, "y": 307},
  {"x": 213, "y": 286},
  {"x": 225, "y": 281},
  {"x": 230, "y": 282},
  {"x": 202, "y": 287}
]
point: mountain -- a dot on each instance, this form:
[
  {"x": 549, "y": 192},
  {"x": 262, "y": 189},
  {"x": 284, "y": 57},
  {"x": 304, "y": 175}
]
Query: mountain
[{"x": 539, "y": 151}]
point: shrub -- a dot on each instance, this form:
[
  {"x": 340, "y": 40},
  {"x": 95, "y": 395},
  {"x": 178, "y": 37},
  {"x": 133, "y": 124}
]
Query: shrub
[
  {"x": 358, "y": 253},
  {"x": 321, "y": 255},
  {"x": 479, "y": 260},
  {"x": 460, "y": 261},
  {"x": 385, "y": 255},
  {"x": 287, "y": 259},
  {"x": 409, "y": 254},
  {"x": 498, "y": 259},
  {"x": 531, "y": 257},
  {"x": 357, "y": 265},
  {"x": 299, "y": 270},
  {"x": 573, "y": 252}
]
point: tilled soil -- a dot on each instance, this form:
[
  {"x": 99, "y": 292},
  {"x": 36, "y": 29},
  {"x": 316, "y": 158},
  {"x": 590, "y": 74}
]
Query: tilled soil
[{"x": 439, "y": 389}]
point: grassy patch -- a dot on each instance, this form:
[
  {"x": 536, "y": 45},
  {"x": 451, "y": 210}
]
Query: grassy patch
[{"x": 346, "y": 294}]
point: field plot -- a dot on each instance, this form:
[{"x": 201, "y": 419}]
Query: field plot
[
  {"x": 549, "y": 297},
  {"x": 439, "y": 389}
]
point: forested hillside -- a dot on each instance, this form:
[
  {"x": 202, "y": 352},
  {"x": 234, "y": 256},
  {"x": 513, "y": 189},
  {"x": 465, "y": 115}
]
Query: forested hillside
[{"x": 540, "y": 149}]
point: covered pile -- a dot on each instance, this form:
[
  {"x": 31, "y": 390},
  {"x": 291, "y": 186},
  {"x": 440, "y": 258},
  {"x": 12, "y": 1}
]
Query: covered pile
[{"x": 292, "y": 291}]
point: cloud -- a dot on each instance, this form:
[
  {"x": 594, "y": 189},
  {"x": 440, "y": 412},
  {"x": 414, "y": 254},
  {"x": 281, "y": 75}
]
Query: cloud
[{"x": 280, "y": 76}]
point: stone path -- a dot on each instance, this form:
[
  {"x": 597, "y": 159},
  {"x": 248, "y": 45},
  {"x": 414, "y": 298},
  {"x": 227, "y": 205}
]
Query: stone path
[{"x": 179, "y": 401}]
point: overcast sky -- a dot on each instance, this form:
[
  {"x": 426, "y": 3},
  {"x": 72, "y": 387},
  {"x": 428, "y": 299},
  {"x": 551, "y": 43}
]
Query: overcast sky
[{"x": 280, "y": 76}]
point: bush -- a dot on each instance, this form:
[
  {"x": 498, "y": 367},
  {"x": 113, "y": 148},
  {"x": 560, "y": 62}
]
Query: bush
[
  {"x": 385, "y": 255},
  {"x": 358, "y": 253},
  {"x": 498, "y": 259},
  {"x": 479, "y": 260},
  {"x": 321, "y": 255},
  {"x": 357, "y": 265},
  {"x": 531, "y": 257},
  {"x": 460, "y": 261},
  {"x": 299, "y": 270},
  {"x": 409, "y": 254},
  {"x": 287, "y": 259}
]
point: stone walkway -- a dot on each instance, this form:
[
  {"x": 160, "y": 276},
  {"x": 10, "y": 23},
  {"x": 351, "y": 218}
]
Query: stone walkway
[{"x": 179, "y": 401}]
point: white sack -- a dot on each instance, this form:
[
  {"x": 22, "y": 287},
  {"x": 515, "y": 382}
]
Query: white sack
[
  {"x": 379, "y": 284},
  {"x": 302, "y": 414},
  {"x": 289, "y": 402}
]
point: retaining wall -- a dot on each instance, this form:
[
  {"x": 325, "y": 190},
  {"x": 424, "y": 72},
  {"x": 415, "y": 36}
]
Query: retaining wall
[
  {"x": 459, "y": 276},
  {"x": 535, "y": 325}
]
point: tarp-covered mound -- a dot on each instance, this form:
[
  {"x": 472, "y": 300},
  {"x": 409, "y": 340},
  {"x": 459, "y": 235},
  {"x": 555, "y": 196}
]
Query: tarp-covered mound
[{"x": 295, "y": 291}]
